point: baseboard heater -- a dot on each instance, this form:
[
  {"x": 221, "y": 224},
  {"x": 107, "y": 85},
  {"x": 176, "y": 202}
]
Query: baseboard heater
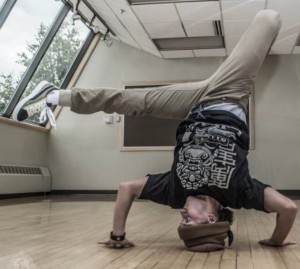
[{"x": 24, "y": 179}]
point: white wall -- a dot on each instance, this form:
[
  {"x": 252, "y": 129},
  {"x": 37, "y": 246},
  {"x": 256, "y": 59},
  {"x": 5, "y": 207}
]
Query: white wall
[
  {"x": 21, "y": 146},
  {"x": 83, "y": 153},
  {"x": 275, "y": 159}
]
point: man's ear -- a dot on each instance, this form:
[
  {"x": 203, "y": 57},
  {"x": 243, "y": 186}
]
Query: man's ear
[{"x": 212, "y": 218}]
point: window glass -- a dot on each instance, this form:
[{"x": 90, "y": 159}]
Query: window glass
[
  {"x": 20, "y": 37},
  {"x": 60, "y": 55},
  {"x": 1, "y": 3}
]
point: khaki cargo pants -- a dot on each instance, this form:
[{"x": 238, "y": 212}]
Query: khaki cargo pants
[{"x": 233, "y": 81}]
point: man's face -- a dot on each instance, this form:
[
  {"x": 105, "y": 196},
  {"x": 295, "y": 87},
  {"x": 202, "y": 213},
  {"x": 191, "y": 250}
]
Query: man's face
[{"x": 196, "y": 211}]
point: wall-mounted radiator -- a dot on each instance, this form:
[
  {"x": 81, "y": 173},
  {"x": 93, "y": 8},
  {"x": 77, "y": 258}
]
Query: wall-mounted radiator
[{"x": 24, "y": 179}]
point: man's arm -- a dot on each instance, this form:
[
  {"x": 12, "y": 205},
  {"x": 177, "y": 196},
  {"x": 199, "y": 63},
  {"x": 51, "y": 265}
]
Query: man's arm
[
  {"x": 127, "y": 192},
  {"x": 286, "y": 212}
]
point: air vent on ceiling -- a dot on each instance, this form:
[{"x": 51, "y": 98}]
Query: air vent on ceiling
[
  {"x": 26, "y": 170},
  {"x": 190, "y": 43},
  {"x": 147, "y": 2},
  {"x": 218, "y": 28}
]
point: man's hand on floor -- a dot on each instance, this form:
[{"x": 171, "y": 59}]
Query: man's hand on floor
[
  {"x": 270, "y": 243},
  {"x": 117, "y": 244}
]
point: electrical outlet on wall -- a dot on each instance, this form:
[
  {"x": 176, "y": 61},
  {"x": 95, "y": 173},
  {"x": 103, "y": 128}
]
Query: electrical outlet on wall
[{"x": 108, "y": 119}]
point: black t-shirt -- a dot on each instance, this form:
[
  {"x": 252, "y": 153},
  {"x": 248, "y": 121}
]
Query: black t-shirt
[{"x": 210, "y": 159}]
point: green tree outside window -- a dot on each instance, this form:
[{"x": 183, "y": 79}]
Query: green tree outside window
[{"x": 54, "y": 65}]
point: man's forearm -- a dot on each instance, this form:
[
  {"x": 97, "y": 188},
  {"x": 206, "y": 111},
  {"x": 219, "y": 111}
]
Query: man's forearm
[
  {"x": 286, "y": 212},
  {"x": 128, "y": 191},
  {"x": 123, "y": 204},
  {"x": 284, "y": 223}
]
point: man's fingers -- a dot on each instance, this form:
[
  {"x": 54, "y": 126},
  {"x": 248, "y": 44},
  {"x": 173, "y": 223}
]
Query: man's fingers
[
  {"x": 111, "y": 244},
  {"x": 289, "y": 243},
  {"x": 267, "y": 242},
  {"x": 262, "y": 242},
  {"x": 129, "y": 244},
  {"x": 102, "y": 242},
  {"x": 117, "y": 244}
]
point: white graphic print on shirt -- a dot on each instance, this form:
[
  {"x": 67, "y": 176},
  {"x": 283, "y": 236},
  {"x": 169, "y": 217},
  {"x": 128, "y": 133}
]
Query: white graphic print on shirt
[{"x": 207, "y": 156}]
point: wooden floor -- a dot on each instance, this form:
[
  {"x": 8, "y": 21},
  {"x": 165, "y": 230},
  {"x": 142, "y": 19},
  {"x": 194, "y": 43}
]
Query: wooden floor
[{"x": 61, "y": 232}]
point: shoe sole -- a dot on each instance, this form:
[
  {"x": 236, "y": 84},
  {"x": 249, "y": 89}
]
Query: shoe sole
[{"x": 35, "y": 92}]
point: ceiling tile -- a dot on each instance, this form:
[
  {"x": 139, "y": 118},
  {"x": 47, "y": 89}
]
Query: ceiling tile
[
  {"x": 125, "y": 37},
  {"x": 106, "y": 13},
  {"x": 101, "y": 7},
  {"x": 134, "y": 28},
  {"x": 122, "y": 32},
  {"x": 163, "y": 21},
  {"x": 118, "y": 5},
  {"x": 210, "y": 53},
  {"x": 164, "y": 30},
  {"x": 290, "y": 26},
  {"x": 296, "y": 50},
  {"x": 199, "y": 28},
  {"x": 231, "y": 41},
  {"x": 196, "y": 11},
  {"x": 235, "y": 27},
  {"x": 288, "y": 9},
  {"x": 286, "y": 40},
  {"x": 156, "y": 13},
  {"x": 153, "y": 52},
  {"x": 111, "y": 19},
  {"x": 124, "y": 13},
  {"x": 281, "y": 50},
  {"x": 128, "y": 19},
  {"x": 177, "y": 54},
  {"x": 145, "y": 42},
  {"x": 241, "y": 10},
  {"x": 129, "y": 41}
]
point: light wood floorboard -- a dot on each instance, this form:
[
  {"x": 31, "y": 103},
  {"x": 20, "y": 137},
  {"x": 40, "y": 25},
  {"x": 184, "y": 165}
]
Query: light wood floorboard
[{"x": 61, "y": 232}]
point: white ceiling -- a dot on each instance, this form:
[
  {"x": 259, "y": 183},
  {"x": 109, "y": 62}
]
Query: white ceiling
[{"x": 137, "y": 25}]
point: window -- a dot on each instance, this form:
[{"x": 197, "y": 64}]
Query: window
[
  {"x": 144, "y": 2},
  {"x": 1, "y": 3},
  {"x": 38, "y": 42},
  {"x": 23, "y": 31},
  {"x": 59, "y": 56}
]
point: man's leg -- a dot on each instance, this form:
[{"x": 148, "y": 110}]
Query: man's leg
[
  {"x": 171, "y": 101},
  {"x": 233, "y": 80}
]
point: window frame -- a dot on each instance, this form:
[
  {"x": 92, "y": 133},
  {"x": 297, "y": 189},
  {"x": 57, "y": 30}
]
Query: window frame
[
  {"x": 5, "y": 11},
  {"x": 62, "y": 14}
]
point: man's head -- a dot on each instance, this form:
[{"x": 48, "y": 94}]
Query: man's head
[
  {"x": 204, "y": 210},
  {"x": 205, "y": 224}
]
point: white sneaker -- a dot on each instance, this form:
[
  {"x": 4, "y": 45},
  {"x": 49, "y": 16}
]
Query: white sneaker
[{"x": 35, "y": 103}]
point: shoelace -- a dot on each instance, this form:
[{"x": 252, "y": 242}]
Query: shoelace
[{"x": 46, "y": 112}]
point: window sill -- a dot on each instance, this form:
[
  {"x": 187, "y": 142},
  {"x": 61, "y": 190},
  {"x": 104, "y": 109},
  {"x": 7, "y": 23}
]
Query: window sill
[{"x": 24, "y": 125}]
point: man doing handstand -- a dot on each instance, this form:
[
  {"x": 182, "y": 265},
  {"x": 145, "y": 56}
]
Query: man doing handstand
[{"x": 210, "y": 168}]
